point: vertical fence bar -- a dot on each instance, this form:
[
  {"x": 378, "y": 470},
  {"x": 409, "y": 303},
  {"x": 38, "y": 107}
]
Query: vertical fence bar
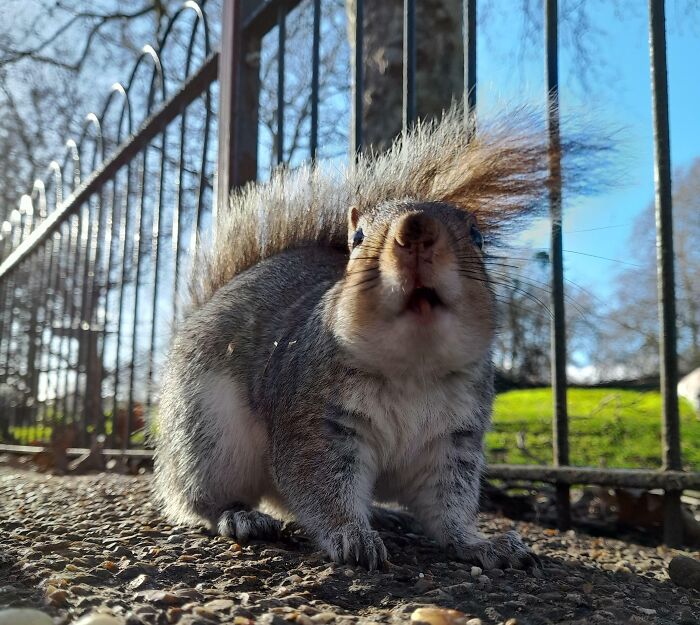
[
  {"x": 87, "y": 326},
  {"x": 45, "y": 332},
  {"x": 110, "y": 233},
  {"x": 228, "y": 87},
  {"x": 85, "y": 246},
  {"x": 228, "y": 79},
  {"x": 94, "y": 363},
  {"x": 673, "y": 527},
  {"x": 59, "y": 403},
  {"x": 136, "y": 262},
  {"x": 155, "y": 262},
  {"x": 281, "y": 41},
  {"x": 52, "y": 306},
  {"x": 202, "y": 182},
  {"x": 8, "y": 309},
  {"x": 74, "y": 322},
  {"x": 177, "y": 217},
  {"x": 121, "y": 283},
  {"x": 315, "y": 68},
  {"x": 560, "y": 423},
  {"x": 239, "y": 90},
  {"x": 66, "y": 319},
  {"x": 358, "y": 79},
  {"x": 3, "y": 313},
  {"x": 409, "y": 63},
  {"x": 469, "y": 36},
  {"x": 35, "y": 331}
]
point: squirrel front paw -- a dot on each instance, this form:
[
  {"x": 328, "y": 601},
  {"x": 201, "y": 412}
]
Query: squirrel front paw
[
  {"x": 245, "y": 524},
  {"x": 505, "y": 551},
  {"x": 353, "y": 544}
]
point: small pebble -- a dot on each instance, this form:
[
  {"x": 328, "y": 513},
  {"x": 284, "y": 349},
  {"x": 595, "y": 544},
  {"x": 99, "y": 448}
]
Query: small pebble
[
  {"x": 58, "y": 598},
  {"x": 24, "y": 616},
  {"x": 205, "y": 613},
  {"x": 438, "y": 616},
  {"x": 476, "y": 571},
  {"x": 323, "y": 617},
  {"x": 685, "y": 571},
  {"x": 100, "y": 619}
]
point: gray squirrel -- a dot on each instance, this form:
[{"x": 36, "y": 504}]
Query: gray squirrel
[{"x": 337, "y": 350}]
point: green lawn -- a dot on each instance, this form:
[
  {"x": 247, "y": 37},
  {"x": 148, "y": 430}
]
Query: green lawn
[{"x": 607, "y": 427}]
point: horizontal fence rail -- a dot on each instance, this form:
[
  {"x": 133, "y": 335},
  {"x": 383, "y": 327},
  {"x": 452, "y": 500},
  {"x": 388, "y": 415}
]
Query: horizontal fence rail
[{"x": 92, "y": 262}]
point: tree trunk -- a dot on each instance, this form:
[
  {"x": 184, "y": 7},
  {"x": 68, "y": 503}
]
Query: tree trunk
[{"x": 439, "y": 63}]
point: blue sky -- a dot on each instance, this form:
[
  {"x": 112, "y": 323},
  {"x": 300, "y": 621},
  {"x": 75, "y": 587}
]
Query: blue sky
[{"x": 620, "y": 97}]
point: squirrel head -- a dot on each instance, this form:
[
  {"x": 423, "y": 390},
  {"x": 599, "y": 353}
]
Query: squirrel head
[{"x": 415, "y": 295}]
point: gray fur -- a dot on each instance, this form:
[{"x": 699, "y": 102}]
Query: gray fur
[
  {"x": 324, "y": 437},
  {"x": 308, "y": 377}
]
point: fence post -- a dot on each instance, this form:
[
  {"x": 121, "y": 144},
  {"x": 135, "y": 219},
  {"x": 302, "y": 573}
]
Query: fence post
[
  {"x": 358, "y": 81},
  {"x": 560, "y": 423},
  {"x": 239, "y": 87},
  {"x": 673, "y": 527},
  {"x": 469, "y": 36}
]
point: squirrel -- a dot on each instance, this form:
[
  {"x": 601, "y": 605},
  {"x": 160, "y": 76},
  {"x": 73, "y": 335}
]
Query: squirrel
[{"x": 337, "y": 349}]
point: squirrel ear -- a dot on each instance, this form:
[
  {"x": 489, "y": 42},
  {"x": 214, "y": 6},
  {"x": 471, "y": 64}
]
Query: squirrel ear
[{"x": 353, "y": 217}]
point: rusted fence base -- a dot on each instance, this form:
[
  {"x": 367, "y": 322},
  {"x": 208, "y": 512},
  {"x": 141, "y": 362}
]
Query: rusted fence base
[
  {"x": 76, "y": 452},
  {"x": 624, "y": 478}
]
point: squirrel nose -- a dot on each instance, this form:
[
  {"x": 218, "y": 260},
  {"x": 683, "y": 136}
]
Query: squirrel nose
[{"x": 417, "y": 230}]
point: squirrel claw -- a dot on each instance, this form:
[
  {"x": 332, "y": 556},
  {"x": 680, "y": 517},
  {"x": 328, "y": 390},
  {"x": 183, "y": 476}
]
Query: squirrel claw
[
  {"x": 500, "y": 552},
  {"x": 352, "y": 544},
  {"x": 245, "y": 525}
]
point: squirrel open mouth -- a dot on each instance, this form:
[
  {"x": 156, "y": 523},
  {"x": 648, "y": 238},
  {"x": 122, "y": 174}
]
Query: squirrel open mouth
[{"x": 423, "y": 300}]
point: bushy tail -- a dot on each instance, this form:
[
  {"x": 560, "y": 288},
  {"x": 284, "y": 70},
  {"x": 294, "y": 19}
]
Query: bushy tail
[{"x": 497, "y": 169}]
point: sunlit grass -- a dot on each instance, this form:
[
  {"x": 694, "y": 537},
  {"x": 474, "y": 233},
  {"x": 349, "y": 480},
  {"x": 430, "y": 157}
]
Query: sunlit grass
[{"x": 608, "y": 427}]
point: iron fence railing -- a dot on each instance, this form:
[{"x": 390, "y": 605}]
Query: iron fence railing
[
  {"x": 93, "y": 257},
  {"x": 99, "y": 246}
]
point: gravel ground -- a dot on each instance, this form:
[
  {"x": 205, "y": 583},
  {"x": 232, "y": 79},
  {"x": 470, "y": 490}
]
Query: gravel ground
[{"x": 70, "y": 545}]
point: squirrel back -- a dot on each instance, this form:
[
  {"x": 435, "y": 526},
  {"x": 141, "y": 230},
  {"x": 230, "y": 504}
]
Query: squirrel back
[{"x": 497, "y": 170}]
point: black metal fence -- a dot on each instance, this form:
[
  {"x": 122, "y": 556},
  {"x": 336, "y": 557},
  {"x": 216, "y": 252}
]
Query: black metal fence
[{"x": 93, "y": 259}]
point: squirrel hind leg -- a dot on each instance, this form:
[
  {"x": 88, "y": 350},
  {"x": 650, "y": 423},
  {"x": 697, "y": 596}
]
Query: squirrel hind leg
[{"x": 244, "y": 524}]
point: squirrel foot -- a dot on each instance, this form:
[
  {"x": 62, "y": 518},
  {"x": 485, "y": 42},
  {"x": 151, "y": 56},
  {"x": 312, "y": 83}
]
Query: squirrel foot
[
  {"x": 505, "y": 551},
  {"x": 244, "y": 524},
  {"x": 353, "y": 544}
]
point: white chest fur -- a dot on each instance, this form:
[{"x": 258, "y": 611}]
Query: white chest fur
[{"x": 403, "y": 416}]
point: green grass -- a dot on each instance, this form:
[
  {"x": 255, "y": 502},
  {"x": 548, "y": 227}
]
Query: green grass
[
  {"x": 607, "y": 427},
  {"x": 40, "y": 434}
]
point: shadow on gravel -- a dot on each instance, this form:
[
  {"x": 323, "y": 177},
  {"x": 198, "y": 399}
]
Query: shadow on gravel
[{"x": 75, "y": 544}]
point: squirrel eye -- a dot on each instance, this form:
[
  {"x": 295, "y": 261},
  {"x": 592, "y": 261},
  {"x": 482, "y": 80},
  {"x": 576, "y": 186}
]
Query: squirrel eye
[
  {"x": 477, "y": 237},
  {"x": 357, "y": 238}
]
